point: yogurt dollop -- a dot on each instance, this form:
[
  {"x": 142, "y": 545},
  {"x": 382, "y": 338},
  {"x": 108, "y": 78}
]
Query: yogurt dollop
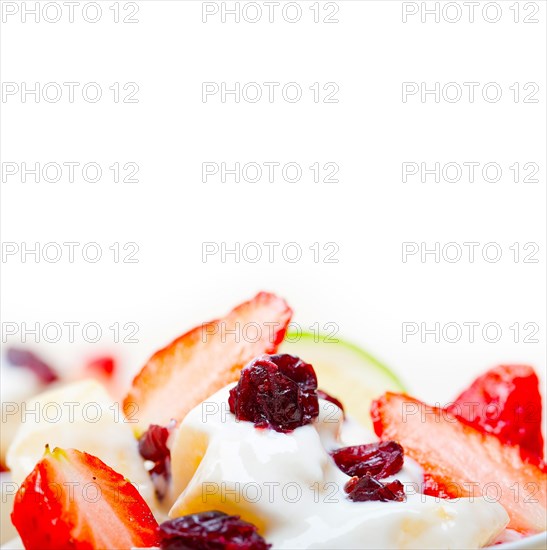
[{"x": 289, "y": 486}]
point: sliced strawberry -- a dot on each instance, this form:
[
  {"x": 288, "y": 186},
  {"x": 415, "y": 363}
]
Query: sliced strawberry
[
  {"x": 505, "y": 402},
  {"x": 204, "y": 360},
  {"x": 460, "y": 461},
  {"x": 74, "y": 501}
]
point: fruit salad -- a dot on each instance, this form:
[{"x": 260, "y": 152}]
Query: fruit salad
[{"x": 227, "y": 442}]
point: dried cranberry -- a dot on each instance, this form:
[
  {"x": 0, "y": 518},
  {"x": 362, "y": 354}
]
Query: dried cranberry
[
  {"x": 153, "y": 447},
  {"x": 24, "y": 358},
  {"x": 210, "y": 531},
  {"x": 276, "y": 391},
  {"x": 153, "y": 443},
  {"x": 380, "y": 460},
  {"x": 368, "y": 488},
  {"x": 327, "y": 397}
]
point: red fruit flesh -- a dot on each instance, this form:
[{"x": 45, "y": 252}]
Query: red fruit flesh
[
  {"x": 505, "y": 402},
  {"x": 460, "y": 461},
  {"x": 210, "y": 531},
  {"x": 379, "y": 460},
  {"x": 276, "y": 391},
  {"x": 367, "y": 488},
  {"x": 205, "y": 359},
  {"x": 74, "y": 501}
]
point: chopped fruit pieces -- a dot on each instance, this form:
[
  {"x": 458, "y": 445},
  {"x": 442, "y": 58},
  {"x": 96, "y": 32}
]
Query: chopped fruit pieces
[
  {"x": 25, "y": 358},
  {"x": 379, "y": 460},
  {"x": 102, "y": 365},
  {"x": 324, "y": 395},
  {"x": 460, "y": 461},
  {"x": 153, "y": 447},
  {"x": 505, "y": 402},
  {"x": 368, "y": 488},
  {"x": 205, "y": 359},
  {"x": 74, "y": 501},
  {"x": 276, "y": 391},
  {"x": 210, "y": 531}
]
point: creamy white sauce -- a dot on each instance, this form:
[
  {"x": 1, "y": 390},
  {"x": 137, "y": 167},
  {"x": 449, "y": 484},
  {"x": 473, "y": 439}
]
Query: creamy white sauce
[{"x": 289, "y": 486}]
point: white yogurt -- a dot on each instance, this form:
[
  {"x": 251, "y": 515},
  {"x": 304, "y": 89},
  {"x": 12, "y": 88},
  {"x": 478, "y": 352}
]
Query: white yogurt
[{"x": 289, "y": 486}]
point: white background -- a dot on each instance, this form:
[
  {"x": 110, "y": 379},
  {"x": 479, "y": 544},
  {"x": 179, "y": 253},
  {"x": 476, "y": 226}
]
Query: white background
[{"x": 369, "y": 213}]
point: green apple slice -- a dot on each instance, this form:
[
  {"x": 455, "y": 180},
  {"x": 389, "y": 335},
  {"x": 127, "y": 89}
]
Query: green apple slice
[{"x": 345, "y": 371}]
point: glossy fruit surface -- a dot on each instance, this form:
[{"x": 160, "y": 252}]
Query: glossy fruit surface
[
  {"x": 74, "y": 501},
  {"x": 210, "y": 531},
  {"x": 367, "y": 488},
  {"x": 204, "y": 360},
  {"x": 276, "y": 391},
  {"x": 379, "y": 460},
  {"x": 460, "y": 461},
  {"x": 505, "y": 402}
]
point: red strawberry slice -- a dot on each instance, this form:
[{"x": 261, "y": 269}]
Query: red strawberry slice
[
  {"x": 460, "y": 461},
  {"x": 204, "y": 360},
  {"x": 74, "y": 501},
  {"x": 505, "y": 402}
]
